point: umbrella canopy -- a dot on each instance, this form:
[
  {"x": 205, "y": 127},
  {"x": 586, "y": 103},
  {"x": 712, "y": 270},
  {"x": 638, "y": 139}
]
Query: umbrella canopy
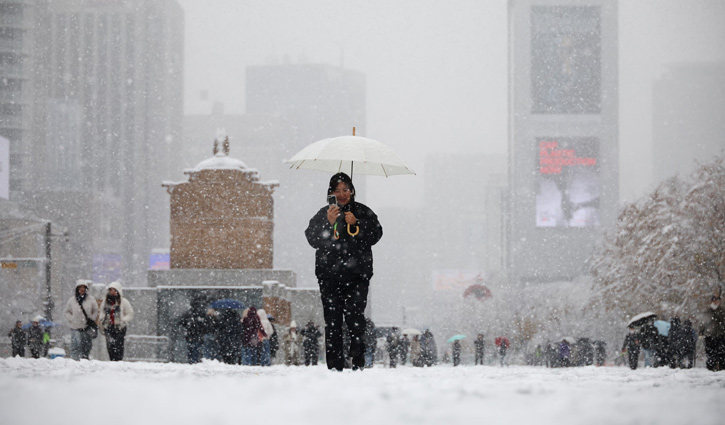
[
  {"x": 42, "y": 323},
  {"x": 350, "y": 154},
  {"x": 478, "y": 290},
  {"x": 456, "y": 338},
  {"x": 227, "y": 303},
  {"x": 411, "y": 331},
  {"x": 641, "y": 318},
  {"x": 663, "y": 328},
  {"x": 501, "y": 340}
]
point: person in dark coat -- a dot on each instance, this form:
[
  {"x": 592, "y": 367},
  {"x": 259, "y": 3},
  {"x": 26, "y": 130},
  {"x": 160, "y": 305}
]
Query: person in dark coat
[
  {"x": 631, "y": 347},
  {"x": 712, "y": 327},
  {"x": 428, "y": 348},
  {"x": 600, "y": 352},
  {"x": 35, "y": 338},
  {"x": 392, "y": 345},
  {"x": 648, "y": 339},
  {"x": 229, "y": 333},
  {"x": 342, "y": 235},
  {"x": 564, "y": 353},
  {"x": 403, "y": 348},
  {"x": 690, "y": 343},
  {"x": 311, "y": 343},
  {"x": 479, "y": 344},
  {"x": 18, "y": 339},
  {"x": 197, "y": 324},
  {"x": 371, "y": 342},
  {"x": 677, "y": 337},
  {"x": 274, "y": 339},
  {"x": 456, "y": 352}
]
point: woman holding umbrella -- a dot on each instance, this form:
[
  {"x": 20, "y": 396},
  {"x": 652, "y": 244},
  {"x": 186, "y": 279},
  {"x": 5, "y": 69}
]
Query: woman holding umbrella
[{"x": 343, "y": 234}]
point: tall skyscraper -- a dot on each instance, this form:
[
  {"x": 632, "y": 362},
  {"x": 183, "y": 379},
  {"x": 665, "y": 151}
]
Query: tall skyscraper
[
  {"x": 16, "y": 43},
  {"x": 108, "y": 93},
  {"x": 563, "y": 137}
]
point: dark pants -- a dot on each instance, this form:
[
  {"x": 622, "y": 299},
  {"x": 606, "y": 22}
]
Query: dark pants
[
  {"x": 194, "y": 351},
  {"x": 312, "y": 352},
  {"x": 479, "y": 357},
  {"x": 633, "y": 358},
  {"x": 115, "y": 339},
  {"x": 19, "y": 351},
  {"x": 715, "y": 351},
  {"x": 344, "y": 301}
]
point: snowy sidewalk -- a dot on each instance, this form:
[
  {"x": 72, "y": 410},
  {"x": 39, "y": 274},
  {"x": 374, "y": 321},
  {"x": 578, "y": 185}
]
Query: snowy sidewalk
[{"x": 63, "y": 391}]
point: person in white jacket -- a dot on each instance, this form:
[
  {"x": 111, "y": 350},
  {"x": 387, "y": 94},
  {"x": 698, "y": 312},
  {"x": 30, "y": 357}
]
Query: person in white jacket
[
  {"x": 116, "y": 312},
  {"x": 80, "y": 308}
]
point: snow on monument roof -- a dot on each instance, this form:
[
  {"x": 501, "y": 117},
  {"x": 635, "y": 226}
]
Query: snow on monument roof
[{"x": 220, "y": 161}]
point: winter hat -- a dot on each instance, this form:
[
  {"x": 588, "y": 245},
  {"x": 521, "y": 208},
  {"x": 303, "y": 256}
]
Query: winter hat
[
  {"x": 344, "y": 178},
  {"x": 292, "y": 324},
  {"x": 38, "y": 318}
]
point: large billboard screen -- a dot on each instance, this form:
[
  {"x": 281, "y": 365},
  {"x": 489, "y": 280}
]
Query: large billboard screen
[
  {"x": 568, "y": 182},
  {"x": 566, "y": 63}
]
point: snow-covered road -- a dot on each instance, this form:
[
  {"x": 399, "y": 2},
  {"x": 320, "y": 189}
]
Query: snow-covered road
[{"x": 62, "y": 391}]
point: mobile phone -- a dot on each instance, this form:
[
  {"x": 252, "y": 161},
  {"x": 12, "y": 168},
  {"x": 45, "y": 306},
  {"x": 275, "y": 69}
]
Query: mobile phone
[{"x": 331, "y": 200}]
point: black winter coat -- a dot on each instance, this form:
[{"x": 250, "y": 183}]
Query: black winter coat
[{"x": 340, "y": 256}]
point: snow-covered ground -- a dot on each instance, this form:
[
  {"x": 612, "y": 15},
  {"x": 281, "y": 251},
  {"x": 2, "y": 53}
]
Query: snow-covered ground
[{"x": 63, "y": 391}]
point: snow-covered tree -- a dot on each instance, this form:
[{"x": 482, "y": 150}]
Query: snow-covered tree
[{"x": 667, "y": 252}]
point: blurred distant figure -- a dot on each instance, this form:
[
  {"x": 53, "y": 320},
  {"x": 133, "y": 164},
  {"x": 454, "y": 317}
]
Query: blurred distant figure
[
  {"x": 252, "y": 335},
  {"x": 479, "y": 345},
  {"x": 600, "y": 352},
  {"x": 18, "y": 339},
  {"x": 403, "y": 348},
  {"x": 197, "y": 324},
  {"x": 415, "y": 352},
  {"x": 229, "y": 333},
  {"x": 503, "y": 345},
  {"x": 391, "y": 345},
  {"x": 35, "y": 338},
  {"x": 456, "y": 352},
  {"x": 311, "y": 343},
  {"x": 116, "y": 313},
  {"x": 631, "y": 346},
  {"x": 265, "y": 349},
  {"x": 564, "y": 353},
  {"x": 79, "y": 311},
  {"x": 648, "y": 338},
  {"x": 371, "y": 342},
  {"x": 428, "y": 348},
  {"x": 713, "y": 328},
  {"x": 274, "y": 339},
  {"x": 291, "y": 343}
]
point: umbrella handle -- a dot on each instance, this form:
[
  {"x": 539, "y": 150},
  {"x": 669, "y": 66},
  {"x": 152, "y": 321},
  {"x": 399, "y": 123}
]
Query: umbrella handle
[{"x": 357, "y": 230}]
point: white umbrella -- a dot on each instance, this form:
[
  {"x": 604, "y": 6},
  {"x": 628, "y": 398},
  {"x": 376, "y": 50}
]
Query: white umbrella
[
  {"x": 640, "y": 318},
  {"x": 411, "y": 331},
  {"x": 350, "y": 154}
]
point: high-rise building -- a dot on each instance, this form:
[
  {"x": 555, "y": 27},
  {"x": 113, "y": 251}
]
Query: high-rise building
[
  {"x": 16, "y": 43},
  {"x": 563, "y": 136},
  {"x": 687, "y": 117},
  {"x": 315, "y": 102},
  {"x": 107, "y": 80}
]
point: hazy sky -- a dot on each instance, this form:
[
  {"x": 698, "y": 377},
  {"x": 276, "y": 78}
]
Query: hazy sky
[{"x": 436, "y": 70}]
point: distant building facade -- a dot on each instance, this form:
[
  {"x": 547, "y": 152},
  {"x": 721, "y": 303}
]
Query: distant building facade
[
  {"x": 106, "y": 128},
  {"x": 688, "y": 125},
  {"x": 563, "y": 137}
]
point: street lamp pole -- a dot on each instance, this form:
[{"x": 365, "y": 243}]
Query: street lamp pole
[{"x": 48, "y": 267}]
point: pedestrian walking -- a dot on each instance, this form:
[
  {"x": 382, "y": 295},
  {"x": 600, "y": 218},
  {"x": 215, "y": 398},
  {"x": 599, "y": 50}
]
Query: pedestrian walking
[
  {"x": 291, "y": 344},
  {"x": 197, "y": 323},
  {"x": 35, "y": 337},
  {"x": 311, "y": 343},
  {"x": 18, "y": 339},
  {"x": 415, "y": 352},
  {"x": 479, "y": 345},
  {"x": 428, "y": 348},
  {"x": 712, "y": 327},
  {"x": 371, "y": 342},
  {"x": 392, "y": 345},
  {"x": 81, "y": 314},
  {"x": 456, "y": 352},
  {"x": 251, "y": 335},
  {"x": 265, "y": 349},
  {"x": 115, "y": 314},
  {"x": 631, "y": 347},
  {"x": 342, "y": 235}
]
